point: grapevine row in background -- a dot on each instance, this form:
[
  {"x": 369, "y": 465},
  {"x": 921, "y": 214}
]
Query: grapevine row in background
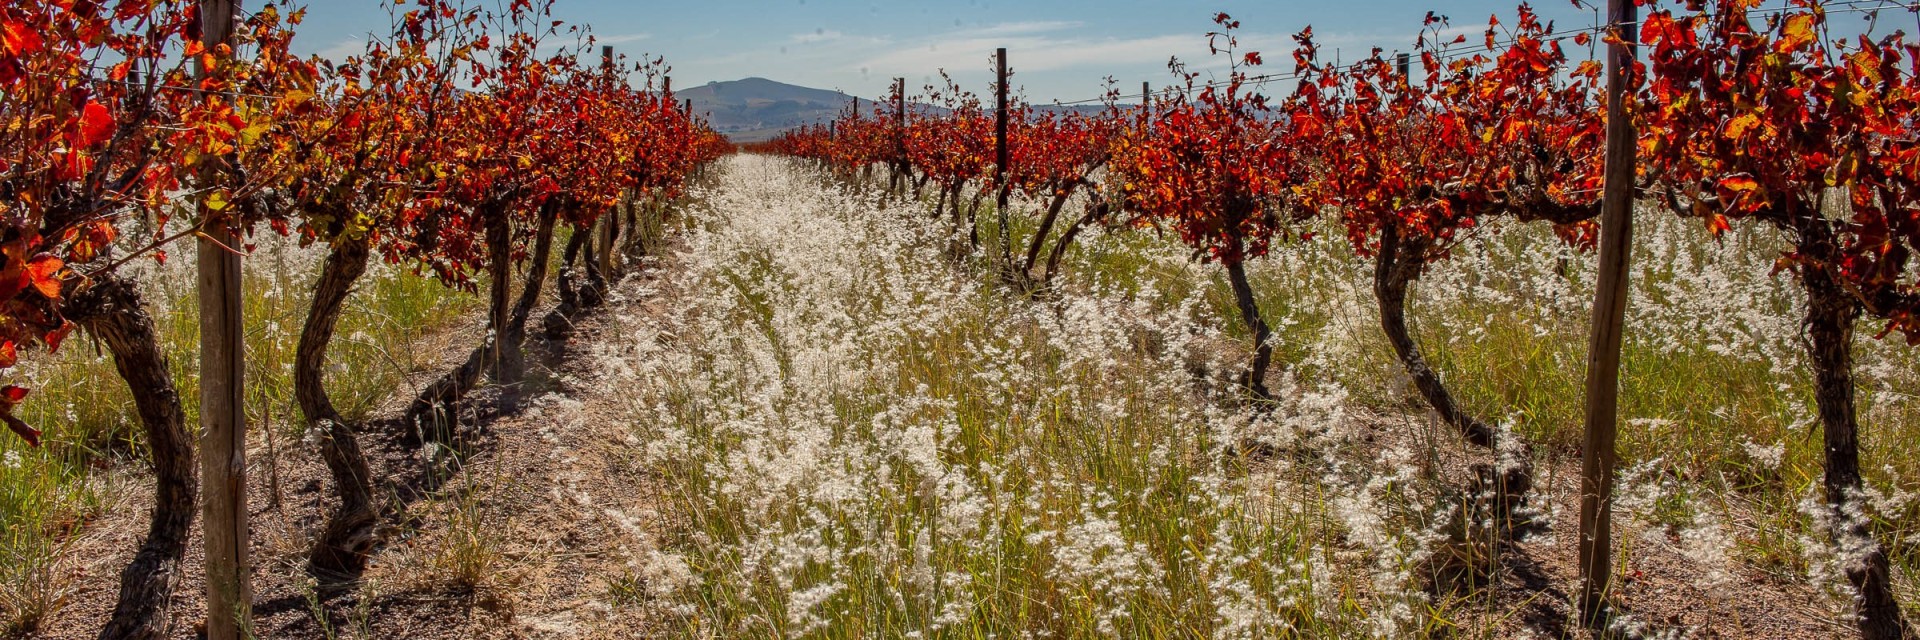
[
  {"x": 456, "y": 146},
  {"x": 1746, "y": 115}
]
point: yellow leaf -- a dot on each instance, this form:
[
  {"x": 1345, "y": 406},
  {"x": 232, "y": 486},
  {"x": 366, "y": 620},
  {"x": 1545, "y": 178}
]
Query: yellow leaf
[
  {"x": 251, "y": 134},
  {"x": 217, "y": 201},
  {"x": 1739, "y": 126},
  {"x": 1796, "y": 33}
]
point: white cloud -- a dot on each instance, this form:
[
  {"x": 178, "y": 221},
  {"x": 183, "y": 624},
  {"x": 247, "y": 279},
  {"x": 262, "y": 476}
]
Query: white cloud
[
  {"x": 818, "y": 35},
  {"x": 340, "y": 50},
  {"x": 1054, "y": 59},
  {"x": 1020, "y": 28},
  {"x": 622, "y": 38}
]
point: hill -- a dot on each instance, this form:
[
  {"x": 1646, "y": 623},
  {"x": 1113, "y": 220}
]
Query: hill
[{"x": 757, "y": 109}]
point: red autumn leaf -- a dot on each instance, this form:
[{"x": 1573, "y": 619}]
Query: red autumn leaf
[
  {"x": 20, "y": 428},
  {"x": 57, "y": 336},
  {"x": 17, "y": 39},
  {"x": 10, "y": 396},
  {"x": 96, "y": 124},
  {"x": 44, "y": 270},
  {"x": 8, "y": 355}
]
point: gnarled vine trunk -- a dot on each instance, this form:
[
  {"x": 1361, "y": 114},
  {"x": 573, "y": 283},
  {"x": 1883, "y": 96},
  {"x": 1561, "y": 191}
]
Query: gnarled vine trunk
[
  {"x": 973, "y": 223},
  {"x": 112, "y": 311},
  {"x": 513, "y": 356},
  {"x": 559, "y": 322},
  {"x": 1507, "y": 481},
  {"x": 1255, "y": 377},
  {"x": 1040, "y": 235},
  {"x": 433, "y": 411},
  {"x": 1095, "y": 212},
  {"x": 343, "y": 546},
  {"x": 1831, "y": 312},
  {"x": 1400, "y": 262},
  {"x": 593, "y": 292}
]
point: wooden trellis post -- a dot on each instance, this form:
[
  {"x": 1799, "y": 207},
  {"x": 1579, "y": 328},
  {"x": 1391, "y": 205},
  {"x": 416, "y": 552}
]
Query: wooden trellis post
[
  {"x": 609, "y": 222},
  {"x": 1597, "y": 458},
  {"x": 223, "y": 432},
  {"x": 1000, "y": 156},
  {"x": 900, "y": 137}
]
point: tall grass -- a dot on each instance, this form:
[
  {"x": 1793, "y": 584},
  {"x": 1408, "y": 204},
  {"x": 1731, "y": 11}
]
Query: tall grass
[
  {"x": 864, "y": 438},
  {"x": 1716, "y": 394},
  {"x": 47, "y": 493}
]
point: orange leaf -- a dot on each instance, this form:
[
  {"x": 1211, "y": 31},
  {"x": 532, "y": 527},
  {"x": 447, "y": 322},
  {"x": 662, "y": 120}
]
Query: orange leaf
[
  {"x": 44, "y": 269},
  {"x": 1717, "y": 224},
  {"x": 16, "y": 38},
  {"x": 1738, "y": 127},
  {"x": 57, "y": 336}
]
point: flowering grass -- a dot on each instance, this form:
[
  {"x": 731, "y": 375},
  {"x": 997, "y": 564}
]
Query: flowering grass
[
  {"x": 860, "y": 437},
  {"x": 1716, "y": 403}
]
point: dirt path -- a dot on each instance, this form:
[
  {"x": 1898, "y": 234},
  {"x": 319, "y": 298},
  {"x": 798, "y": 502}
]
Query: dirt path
[{"x": 528, "y": 539}]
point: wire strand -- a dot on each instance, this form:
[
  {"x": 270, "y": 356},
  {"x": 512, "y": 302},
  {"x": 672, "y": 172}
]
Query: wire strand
[{"x": 1841, "y": 6}]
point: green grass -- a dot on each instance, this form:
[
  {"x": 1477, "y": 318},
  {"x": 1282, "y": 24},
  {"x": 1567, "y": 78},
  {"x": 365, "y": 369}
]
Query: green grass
[
  {"x": 859, "y": 439},
  {"x": 1703, "y": 378},
  {"x": 1714, "y": 381},
  {"x": 47, "y": 494}
]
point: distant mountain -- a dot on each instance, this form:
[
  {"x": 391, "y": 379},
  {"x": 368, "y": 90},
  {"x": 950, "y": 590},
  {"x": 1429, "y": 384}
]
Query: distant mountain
[{"x": 757, "y": 109}]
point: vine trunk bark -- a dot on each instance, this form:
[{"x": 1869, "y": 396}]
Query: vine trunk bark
[
  {"x": 1255, "y": 377},
  {"x": 342, "y": 549},
  {"x": 112, "y": 311},
  {"x": 1040, "y": 235},
  {"x": 1831, "y": 312},
  {"x": 1399, "y": 263},
  {"x": 516, "y": 330},
  {"x": 433, "y": 412}
]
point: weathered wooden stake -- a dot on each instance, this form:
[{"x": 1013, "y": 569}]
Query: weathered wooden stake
[
  {"x": 899, "y": 179},
  {"x": 223, "y": 432},
  {"x": 1404, "y": 63},
  {"x": 609, "y": 224},
  {"x": 1609, "y": 311},
  {"x": 1000, "y": 155}
]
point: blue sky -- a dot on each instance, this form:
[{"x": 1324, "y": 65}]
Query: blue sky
[{"x": 1059, "y": 49}]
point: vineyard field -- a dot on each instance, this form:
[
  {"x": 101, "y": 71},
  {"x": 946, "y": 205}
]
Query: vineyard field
[{"x": 470, "y": 326}]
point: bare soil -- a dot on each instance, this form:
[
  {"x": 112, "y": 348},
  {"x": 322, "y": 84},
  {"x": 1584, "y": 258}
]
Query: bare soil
[
  {"x": 539, "y": 520},
  {"x": 1663, "y": 593}
]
